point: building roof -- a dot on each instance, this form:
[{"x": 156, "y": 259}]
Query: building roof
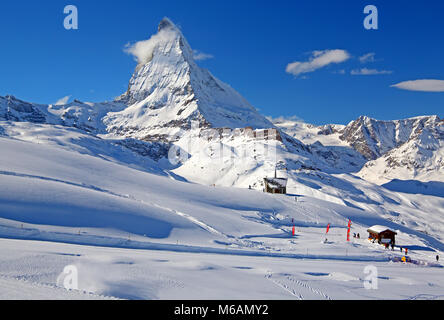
[
  {"x": 276, "y": 182},
  {"x": 379, "y": 229}
]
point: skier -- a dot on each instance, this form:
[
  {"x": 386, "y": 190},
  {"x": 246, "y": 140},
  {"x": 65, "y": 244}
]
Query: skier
[
  {"x": 359, "y": 236},
  {"x": 437, "y": 258}
]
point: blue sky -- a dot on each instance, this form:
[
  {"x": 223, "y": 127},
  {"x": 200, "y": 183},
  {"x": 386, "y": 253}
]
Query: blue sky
[{"x": 252, "y": 43}]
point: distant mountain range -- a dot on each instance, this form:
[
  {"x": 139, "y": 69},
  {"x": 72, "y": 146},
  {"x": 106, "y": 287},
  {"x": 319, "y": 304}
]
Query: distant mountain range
[{"x": 169, "y": 93}]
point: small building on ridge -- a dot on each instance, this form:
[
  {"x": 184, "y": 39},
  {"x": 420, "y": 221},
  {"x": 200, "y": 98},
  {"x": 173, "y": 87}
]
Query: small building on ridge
[
  {"x": 382, "y": 235},
  {"x": 275, "y": 185}
]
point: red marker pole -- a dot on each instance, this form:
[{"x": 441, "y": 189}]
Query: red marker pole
[
  {"x": 348, "y": 230},
  {"x": 294, "y": 227}
]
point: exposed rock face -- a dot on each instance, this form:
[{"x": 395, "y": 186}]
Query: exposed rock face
[
  {"x": 374, "y": 138},
  {"x": 13, "y": 109},
  {"x": 420, "y": 158}
]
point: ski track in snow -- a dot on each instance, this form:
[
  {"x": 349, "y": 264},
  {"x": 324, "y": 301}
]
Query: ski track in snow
[
  {"x": 13, "y": 288},
  {"x": 294, "y": 287}
]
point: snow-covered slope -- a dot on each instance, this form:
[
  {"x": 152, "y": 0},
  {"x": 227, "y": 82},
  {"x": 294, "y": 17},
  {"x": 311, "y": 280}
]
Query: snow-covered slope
[
  {"x": 95, "y": 192},
  {"x": 53, "y": 190},
  {"x": 325, "y": 142},
  {"x": 310, "y": 134}
]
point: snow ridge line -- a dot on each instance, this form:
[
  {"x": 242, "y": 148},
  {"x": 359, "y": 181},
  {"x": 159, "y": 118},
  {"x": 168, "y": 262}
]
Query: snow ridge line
[{"x": 80, "y": 185}]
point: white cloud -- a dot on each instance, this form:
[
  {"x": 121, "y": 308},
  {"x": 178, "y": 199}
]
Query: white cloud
[
  {"x": 143, "y": 50},
  {"x": 199, "y": 56},
  {"x": 62, "y": 101},
  {"x": 369, "y": 72},
  {"x": 366, "y": 58},
  {"x": 282, "y": 119},
  {"x": 425, "y": 85},
  {"x": 318, "y": 60}
]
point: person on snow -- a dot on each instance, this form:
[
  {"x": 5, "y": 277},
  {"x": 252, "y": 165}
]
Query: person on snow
[{"x": 437, "y": 258}]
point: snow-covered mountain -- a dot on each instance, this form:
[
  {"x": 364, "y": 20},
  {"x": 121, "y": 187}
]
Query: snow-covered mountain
[
  {"x": 12, "y": 109},
  {"x": 420, "y": 158},
  {"x": 408, "y": 149},
  {"x": 169, "y": 90},
  {"x": 374, "y": 138},
  {"x": 169, "y": 93},
  {"x": 86, "y": 116}
]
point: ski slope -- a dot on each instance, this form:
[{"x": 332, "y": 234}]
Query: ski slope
[
  {"x": 29, "y": 270},
  {"x": 67, "y": 198}
]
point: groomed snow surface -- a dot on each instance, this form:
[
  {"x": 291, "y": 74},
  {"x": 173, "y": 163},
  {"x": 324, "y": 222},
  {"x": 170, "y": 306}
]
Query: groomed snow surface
[{"x": 135, "y": 231}]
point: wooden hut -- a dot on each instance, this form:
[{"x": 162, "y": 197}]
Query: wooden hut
[
  {"x": 275, "y": 185},
  {"x": 382, "y": 235}
]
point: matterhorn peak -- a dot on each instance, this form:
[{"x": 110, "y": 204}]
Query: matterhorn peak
[
  {"x": 168, "y": 91},
  {"x": 166, "y": 23}
]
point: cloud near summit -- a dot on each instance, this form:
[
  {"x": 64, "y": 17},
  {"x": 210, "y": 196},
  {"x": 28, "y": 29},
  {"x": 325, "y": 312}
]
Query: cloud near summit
[
  {"x": 318, "y": 60},
  {"x": 143, "y": 50}
]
